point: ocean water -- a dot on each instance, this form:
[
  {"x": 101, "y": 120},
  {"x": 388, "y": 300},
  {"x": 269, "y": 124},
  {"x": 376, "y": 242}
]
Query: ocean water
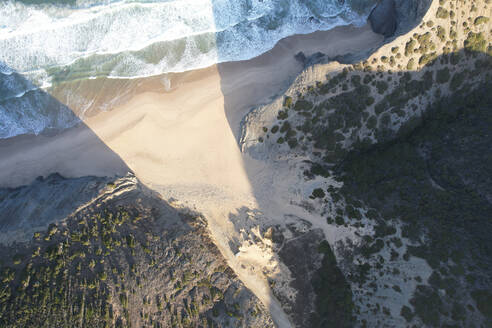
[{"x": 47, "y": 42}]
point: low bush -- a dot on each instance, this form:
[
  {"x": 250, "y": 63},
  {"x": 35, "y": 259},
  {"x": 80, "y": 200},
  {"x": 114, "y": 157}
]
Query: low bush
[
  {"x": 442, "y": 13},
  {"x": 442, "y": 75},
  {"x": 317, "y": 193},
  {"x": 475, "y": 42},
  {"x": 481, "y": 20}
]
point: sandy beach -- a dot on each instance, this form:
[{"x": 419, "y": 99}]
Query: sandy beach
[
  {"x": 156, "y": 132},
  {"x": 183, "y": 142}
]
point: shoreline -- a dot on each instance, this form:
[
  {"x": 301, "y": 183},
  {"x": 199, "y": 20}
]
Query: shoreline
[
  {"x": 101, "y": 95},
  {"x": 244, "y": 84}
]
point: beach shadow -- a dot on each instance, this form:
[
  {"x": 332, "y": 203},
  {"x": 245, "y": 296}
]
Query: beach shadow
[{"x": 38, "y": 123}]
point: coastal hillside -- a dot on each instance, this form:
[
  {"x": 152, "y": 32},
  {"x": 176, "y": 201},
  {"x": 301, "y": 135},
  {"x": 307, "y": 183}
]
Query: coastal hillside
[
  {"x": 123, "y": 258},
  {"x": 390, "y": 150},
  {"x": 332, "y": 168}
]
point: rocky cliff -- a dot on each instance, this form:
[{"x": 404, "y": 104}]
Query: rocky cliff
[{"x": 395, "y": 17}]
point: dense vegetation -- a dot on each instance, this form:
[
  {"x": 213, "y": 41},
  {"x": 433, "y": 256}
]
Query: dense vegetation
[
  {"x": 408, "y": 134},
  {"x": 129, "y": 262},
  {"x": 437, "y": 180},
  {"x": 369, "y": 101},
  {"x": 353, "y": 116},
  {"x": 334, "y": 303}
]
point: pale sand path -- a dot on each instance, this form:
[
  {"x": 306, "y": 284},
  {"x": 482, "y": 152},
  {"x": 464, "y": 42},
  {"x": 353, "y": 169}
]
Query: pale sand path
[{"x": 183, "y": 143}]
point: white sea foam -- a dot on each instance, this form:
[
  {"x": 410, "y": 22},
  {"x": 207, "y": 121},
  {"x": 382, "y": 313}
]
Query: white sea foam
[
  {"x": 41, "y": 37},
  {"x": 137, "y": 38}
]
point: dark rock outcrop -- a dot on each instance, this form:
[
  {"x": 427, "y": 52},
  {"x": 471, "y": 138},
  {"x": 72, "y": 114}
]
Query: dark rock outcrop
[
  {"x": 383, "y": 18},
  {"x": 47, "y": 200},
  {"x": 409, "y": 13}
]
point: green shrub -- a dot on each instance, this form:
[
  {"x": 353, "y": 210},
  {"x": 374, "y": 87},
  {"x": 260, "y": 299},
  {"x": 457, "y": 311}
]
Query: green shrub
[
  {"x": 411, "y": 64},
  {"x": 372, "y": 122},
  {"x": 426, "y": 302},
  {"x": 352, "y": 212},
  {"x": 425, "y": 43},
  {"x": 483, "y": 299},
  {"x": 406, "y": 313},
  {"x": 317, "y": 193},
  {"x": 380, "y": 107},
  {"x": 409, "y": 47},
  {"x": 453, "y": 35},
  {"x": 288, "y": 101},
  {"x": 355, "y": 80},
  {"x": 475, "y": 42},
  {"x": 17, "y": 258},
  {"x": 441, "y": 33},
  {"x": 457, "y": 80},
  {"x": 339, "y": 220},
  {"x": 442, "y": 75},
  {"x": 292, "y": 142},
  {"x": 442, "y": 13},
  {"x": 481, "y": 20},
  {"x": 454, "y": 58},
  {"x": 302, "y": 105},
  {"x": 385, "y": 119},
  {"x": 282, "y": 115},
  {"x": 124, "y": 300},
  {"x": 130, "y": 241},
  {"x": 382, "y": 86},
  {"x": 427, "y": 58},
  {"x": 383, "y": 230}
]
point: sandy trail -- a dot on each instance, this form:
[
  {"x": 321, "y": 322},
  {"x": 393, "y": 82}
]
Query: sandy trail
[{"x": 183, "y": 143}]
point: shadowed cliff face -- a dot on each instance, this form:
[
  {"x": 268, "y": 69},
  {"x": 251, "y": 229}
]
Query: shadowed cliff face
[
  {"x": 383, "y": 18},
  {"x": 37, "y": 111},
  {"x": 27, "y": 209},
  {"x": 409, "y": 14},
  {"x": 396, "y": 17}
]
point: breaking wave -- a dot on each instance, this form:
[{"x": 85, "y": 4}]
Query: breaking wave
[{"x": 65, "y": 40}]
